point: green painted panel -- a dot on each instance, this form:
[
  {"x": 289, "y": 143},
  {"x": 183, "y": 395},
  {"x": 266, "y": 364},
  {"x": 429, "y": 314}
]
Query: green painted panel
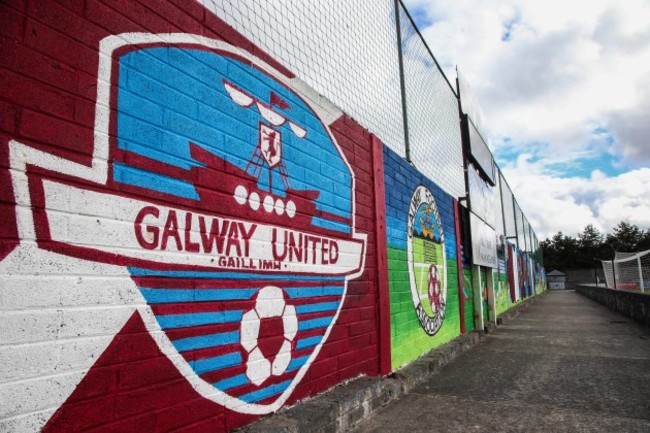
[
  {"x": 408, "y": 339},
  {"x": 469, "y": 300},
  {"x": 501, "y": 292}
]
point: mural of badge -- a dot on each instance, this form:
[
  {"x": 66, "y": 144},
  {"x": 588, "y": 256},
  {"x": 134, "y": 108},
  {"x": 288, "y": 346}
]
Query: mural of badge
[
  {"x": 241, "y": 254},
  {"x": 427, "y": 260}
]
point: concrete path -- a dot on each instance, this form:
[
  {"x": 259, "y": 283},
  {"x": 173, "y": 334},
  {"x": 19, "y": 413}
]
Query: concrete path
[{"x": 567, "y": 364}]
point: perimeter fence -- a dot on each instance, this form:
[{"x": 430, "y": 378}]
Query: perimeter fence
[{"x": 369, "y": 58}]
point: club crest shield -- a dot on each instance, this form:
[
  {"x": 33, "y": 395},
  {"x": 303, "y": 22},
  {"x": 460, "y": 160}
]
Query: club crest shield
[
  {"x": 427, "y": 260},
  {"x": 225, "y": 195}
]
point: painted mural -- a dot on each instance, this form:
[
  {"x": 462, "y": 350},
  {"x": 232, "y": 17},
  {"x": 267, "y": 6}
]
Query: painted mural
[
  {"x": 427, "y": 260},
  {"x": 220, "y": 209},
  {"x": 525, "y": 278},
  {"x": 192, "y": 237},
  {"x": 540, "y": 279},
  {"x": 469, "y": 298},
  {"x": 501, "y": 289},
  {"x": 423, "y": 281},
  {"x": 513, "y": 273}
]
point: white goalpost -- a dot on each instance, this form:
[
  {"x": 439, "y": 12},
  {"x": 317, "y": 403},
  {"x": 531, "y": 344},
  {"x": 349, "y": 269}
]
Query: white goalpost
[{"x": 628, "y": 271}]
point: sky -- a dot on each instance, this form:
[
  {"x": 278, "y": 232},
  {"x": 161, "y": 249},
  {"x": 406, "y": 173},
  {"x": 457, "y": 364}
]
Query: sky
[{"x": 564, "y": 86}]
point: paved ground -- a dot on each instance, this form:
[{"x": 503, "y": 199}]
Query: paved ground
[{"x": 567, "y": 364}]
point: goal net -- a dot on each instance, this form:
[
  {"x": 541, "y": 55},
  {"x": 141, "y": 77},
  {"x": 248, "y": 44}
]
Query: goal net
[{"x": 628, "y": 271}]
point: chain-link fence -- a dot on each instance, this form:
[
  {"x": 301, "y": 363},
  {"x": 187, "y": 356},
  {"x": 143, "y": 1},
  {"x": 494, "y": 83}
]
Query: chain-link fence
[
  {"x": 369, "y": 58},
  {"x": 508, "y": 205},
  {"x": 345, "y": 50},
  {"x": 432, "y": 113}
]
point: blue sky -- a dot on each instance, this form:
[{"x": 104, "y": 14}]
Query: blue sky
[{"x": 565, "y": 89}]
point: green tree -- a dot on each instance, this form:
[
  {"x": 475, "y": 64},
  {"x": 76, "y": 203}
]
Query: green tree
[
  {"x": 590, "y": 246},
  {"x": 560, "y": 252},
  {"x": 626, "y": 237},
  {"x": 644, "y": 243},
  {"x": 564, "y": 252}
]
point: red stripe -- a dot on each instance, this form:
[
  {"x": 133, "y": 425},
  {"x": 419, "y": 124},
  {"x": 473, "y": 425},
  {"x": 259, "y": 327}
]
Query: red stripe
[
  {"x": 310, "y": 333},
  {"x": 152, "y": 165},
  {"x": 203, "y": 283},
  {"x": 215, "y": 306},
  {"x": 225, "y": 373},
  {"x": 332, "y": 217},
  {"x": 314, "y": 300},
  {"x": 272, "y": 380},
  {"x": 308, "y": 316},
  {"x": 195, "y": 355},
  {"x": 301, "y": 353},
  {"x": 200, "y": 307},
  {"x": 194, "y": 331}
]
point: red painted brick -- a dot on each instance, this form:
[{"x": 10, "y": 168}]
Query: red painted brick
[
  {"x": 65, "y": 49},
  {"x": 8, "y": 119},
  {"x": 59, "y": 133},
  {"x": 141, "y": 423},
  {"x": 99, "y": 411},
  {"x": 210, "y": 425},
  {"x": 109, "y": 20},
  {"x": 138, "y": 13},
  {"x": 177, "y": 16},
  {"x": 36, "y": 96},
  {"x": 12, "y": 22},
  {"x": 187, "y": 416},
  {"x": 193, "y": 9},
  {"x": 76, "y": 6},
  {"x": 144, "y": 373},
  {"x": 50, "y": 104}
]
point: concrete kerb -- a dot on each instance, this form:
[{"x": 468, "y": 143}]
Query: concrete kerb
[{"x": 344, "y": 406}]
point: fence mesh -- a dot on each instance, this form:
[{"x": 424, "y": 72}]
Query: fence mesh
[
  {"x": 507, "y": 199},
  {"x": 348, "y": 52},
  {"x": 524, "y": 232},
  {"x": 519, "y": 219},
  {"x": 497, "y": 208},
  {"x": 432, "y": 110}
]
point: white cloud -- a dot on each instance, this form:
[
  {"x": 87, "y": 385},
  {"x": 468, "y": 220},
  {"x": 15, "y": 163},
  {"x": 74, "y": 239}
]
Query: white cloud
[
  {"x": 570, "y": 83},
  {"x": 568, "y": 66},
  {"x": 554, "y": 204}
]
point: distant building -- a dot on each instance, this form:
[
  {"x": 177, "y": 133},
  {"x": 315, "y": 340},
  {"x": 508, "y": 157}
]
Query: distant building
[{"x": 556, "y": 280}]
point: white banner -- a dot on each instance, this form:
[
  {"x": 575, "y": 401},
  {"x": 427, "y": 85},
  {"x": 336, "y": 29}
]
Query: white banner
[
  {"x": 484, "y": 243},
  {"x": 130, "y": 228}
]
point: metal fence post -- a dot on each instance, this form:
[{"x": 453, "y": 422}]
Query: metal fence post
[
  {"x": 514, "y": 212},
  {"x": 402, "y": 85}
]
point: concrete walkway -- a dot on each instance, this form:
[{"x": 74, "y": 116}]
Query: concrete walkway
[{"x": 567, "y": 364}]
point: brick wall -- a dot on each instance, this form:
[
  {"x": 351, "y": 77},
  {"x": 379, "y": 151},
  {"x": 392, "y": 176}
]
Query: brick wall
[
  {"x": 422, "y": 265},
  {"x": 188, "y": 237}
]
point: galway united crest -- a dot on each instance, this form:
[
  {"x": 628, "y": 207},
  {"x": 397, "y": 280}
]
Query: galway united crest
[
  {"x": 427, "y": 260},
  {"x": 212, "y": 183}
]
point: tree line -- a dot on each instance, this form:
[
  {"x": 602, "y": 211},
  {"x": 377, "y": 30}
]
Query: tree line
[{"x": 565, "y": 252}]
